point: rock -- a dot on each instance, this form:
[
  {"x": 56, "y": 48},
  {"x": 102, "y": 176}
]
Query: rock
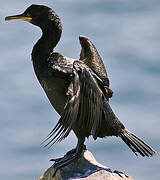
[{"x": 85, "y": 168}]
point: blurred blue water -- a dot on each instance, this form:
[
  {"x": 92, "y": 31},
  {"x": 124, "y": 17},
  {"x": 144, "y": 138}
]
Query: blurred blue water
[{"x": 126, "y": 33}]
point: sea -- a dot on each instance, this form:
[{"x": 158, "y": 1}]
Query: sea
[{"x": 127, "y": 36}]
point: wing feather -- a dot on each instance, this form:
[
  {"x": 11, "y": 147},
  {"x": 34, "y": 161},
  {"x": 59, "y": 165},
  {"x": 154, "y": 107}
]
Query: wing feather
[
  {"x": 83, "y": 107},
  {"x": 92, "y": 98}
]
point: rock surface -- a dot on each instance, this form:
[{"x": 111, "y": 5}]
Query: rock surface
[{"x": 85, "y": 168}]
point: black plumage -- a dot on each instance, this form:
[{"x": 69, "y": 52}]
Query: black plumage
[
  {"x": 78, "y": 90},
  {"x": 90, "y": 56}
]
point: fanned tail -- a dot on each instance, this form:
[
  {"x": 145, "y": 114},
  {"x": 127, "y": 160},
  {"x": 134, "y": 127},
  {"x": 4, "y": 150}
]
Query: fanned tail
[{"x": 136, "y": 144}]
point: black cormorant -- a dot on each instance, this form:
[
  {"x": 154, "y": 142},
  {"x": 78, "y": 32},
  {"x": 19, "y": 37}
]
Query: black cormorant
[{"x": 78, "y": 90}]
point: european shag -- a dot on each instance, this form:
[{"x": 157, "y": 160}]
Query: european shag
[{"x": 77, "y": 89}]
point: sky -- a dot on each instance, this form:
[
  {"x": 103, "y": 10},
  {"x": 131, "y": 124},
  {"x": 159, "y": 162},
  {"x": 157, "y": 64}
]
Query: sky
[{"x": 126, "y": 34}]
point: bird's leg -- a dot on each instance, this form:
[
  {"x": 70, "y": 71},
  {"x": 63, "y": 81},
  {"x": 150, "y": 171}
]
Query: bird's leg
[
  {"x": 70, "y": 156},
  {"x": 80, "y": 146},
  {"x": 74, "y": 150}
]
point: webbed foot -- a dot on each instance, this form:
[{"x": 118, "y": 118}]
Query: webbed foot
[
  {"x": 64, "y": 161},
  {"x": 68, "y": 158},
  {"x": 121, "y": 174}
]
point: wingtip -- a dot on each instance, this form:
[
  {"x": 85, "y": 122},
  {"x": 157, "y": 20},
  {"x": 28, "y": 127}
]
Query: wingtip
[{"x": 82, "y": 37}]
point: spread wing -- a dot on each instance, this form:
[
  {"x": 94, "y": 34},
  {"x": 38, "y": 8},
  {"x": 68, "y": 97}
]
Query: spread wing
[
  {"x": 84, "y": 104},
  {"x": 90, "y": 56}
]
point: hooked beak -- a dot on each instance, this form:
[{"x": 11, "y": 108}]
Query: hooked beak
[{"x": 18, "y": 17}]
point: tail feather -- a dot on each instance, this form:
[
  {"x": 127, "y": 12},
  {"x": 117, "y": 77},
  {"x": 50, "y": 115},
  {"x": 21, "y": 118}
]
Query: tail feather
[{"x": 136, "y": 144}]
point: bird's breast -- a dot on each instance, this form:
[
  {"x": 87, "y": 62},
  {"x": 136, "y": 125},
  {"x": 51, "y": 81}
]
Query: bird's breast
[{"x": 56, "y": 89}]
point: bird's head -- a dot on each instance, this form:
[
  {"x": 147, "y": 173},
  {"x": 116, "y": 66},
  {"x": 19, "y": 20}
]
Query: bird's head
[{"x": 38, "y": 15}]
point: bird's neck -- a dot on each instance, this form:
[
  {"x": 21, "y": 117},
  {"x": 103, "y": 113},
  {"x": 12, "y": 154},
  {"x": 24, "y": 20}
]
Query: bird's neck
[{"x": 44, "y": 46}]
